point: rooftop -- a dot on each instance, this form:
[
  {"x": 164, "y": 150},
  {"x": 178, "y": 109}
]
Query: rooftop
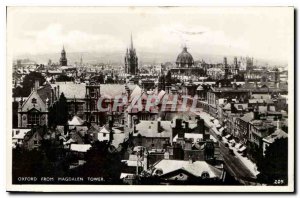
[
  {"x": 276, "y": 135},
  {"x": 196, "y": 168}
]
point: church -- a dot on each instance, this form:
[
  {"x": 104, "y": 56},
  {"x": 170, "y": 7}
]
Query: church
[
  {"x": 63, "y": 59},
  {"x": 131, "y": 60}
]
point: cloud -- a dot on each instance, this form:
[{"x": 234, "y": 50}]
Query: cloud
[
  {"x": 202, "y": 40},
  {"x": 52, "y": 38}
]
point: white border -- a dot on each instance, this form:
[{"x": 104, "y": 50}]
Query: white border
[{"x": 97, "y": 188}]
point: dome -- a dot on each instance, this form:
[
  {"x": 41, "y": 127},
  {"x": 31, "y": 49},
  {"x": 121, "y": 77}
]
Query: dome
[{"x": 184, "y": 58}]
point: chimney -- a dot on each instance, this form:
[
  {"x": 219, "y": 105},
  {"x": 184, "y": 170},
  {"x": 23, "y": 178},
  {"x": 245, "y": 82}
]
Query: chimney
[
  {"x": 232, "y": 108},
  {"x": 190, "y": 160},
  {"x": 158, "y": 125},
  {"x": 134, "y": 129},
  {"x": 278, "y": 124},
  {"x": 255, "y": 112},
  {"x": 186, "y": 124},
  {"x": 145, "y": 160},
  {"x": 167, "y": 155},
  {"x": 234, "y": 85},
  {"x": 58, "y": 91},
  {"x": 51, "y": 96},
  {"x": 178, "y": 123},
  {"x": 36, "y": 84}
]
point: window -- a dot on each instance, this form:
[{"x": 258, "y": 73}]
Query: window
[
  {"x": 104, "y": 134},
  {"x": 35, "y": 142},
  {"x": 33, "y": 101},
  {"x": 92, "y": 93},
  {"x": 80, "y": 107},
  {"x": 93, "y": 118},
  {"x": 33, "y": 119},
  {"x": 70, "y": 107}
]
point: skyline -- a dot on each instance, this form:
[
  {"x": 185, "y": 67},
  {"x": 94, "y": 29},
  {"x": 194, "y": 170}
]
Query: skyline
[{"x": 37, "y": 30}]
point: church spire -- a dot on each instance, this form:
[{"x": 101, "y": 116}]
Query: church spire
[{"x": 131, "y": 42}]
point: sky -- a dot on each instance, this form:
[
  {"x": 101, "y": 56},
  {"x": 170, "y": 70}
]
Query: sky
[{"x": 259, "y": 32}]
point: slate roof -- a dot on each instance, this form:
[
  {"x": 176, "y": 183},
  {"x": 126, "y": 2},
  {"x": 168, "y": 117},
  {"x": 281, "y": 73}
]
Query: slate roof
[
  {"x": 76, "y": 121},
  {"x": 83, "y": 148},
  {"x": 194, "y": 136},
  {"x": 150, "y": 129},
  {"x": 71, "y": 90},
  {"x": 21, "y": 133},
  {"x": 278, "y": 134},
  {"x": 196, "y": 168},
  {"x": 247, "y": 117},
  {"x": 45, "y": 92}
]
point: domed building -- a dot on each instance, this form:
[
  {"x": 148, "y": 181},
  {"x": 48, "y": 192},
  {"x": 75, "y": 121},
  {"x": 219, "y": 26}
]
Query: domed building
[
  {"x": 185, "y": 59},
  {"x": 185, "y": 67}
]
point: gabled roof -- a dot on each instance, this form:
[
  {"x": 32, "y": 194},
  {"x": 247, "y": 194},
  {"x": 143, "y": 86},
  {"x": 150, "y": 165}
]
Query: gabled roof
[
  {"x": 150, "y": 129},
  {"x": 104, "y": 129},
  {"x": 278, "y": 134},
  {"x": 76, "y": 121},
  {"x": 137, "y": 92},
  {"x": 41, "y": 131},
  {"x": 71, "y": 90},
  {"x": 194, "y": 136},
  {"x": 19, "y": 133},
  {"x": 196, "y": 168},
  {"x": 247, "y": 117},
  {"x": 45, "y": 92},
  {"x": 83, "y": 148},
  {"x": 112, "y": 90},
  {"x": 39, "y": 104}
]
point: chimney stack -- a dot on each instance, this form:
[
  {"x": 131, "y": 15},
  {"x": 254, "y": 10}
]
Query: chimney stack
[
  {"x": 190, "y": 160},
  {"x": 278, "y": 124},
  {"x": 167, "y": 155},
  {"x": 232, "y": 108},
  {"x": 178, "y": 123},
  {"x": 158, "y": 125},
  {"x": 58, "y": 91},
  {"x": 186, "y": 126},
  {"x": 256, "y": 112},
  {"x": 36, "y": 84}
]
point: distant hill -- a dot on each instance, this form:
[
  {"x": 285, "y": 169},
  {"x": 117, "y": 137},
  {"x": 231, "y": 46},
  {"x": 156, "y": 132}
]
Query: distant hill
[{"x": 144, "y": 58}]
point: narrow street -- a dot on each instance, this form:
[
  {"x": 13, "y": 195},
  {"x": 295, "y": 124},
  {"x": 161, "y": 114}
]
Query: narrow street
[{"x": 232, "y": 163}]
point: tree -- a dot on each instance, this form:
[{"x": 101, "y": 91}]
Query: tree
[
  {"x": 101, "y": 161},
  {"x": 49, "y": 160},
  {"x": 168, "y": 78},
  {"x": 64, "y": 78},
  {"x": 98, "y": 79},
  {"x": 274, "y": 165},
  {"x": 62, "y": 110},
  {"x": 58, "y": 112},
  {"x": 28, "y": 84}
]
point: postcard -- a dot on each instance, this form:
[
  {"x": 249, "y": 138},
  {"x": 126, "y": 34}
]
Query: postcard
[{"x": 150, "y": 99}]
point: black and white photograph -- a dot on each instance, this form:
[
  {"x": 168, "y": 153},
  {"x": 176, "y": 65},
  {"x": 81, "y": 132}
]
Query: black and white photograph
[{"x": 140, "y": 99}]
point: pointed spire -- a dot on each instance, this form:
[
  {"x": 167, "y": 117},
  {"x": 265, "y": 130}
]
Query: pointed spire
[
  {"x": 63, "y": 50},
  {"x": 131, "y": 42}
]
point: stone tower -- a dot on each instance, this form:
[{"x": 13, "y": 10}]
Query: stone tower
[
  {"x": 63, "y": 59},
  {"x": 131, "y": 60}
]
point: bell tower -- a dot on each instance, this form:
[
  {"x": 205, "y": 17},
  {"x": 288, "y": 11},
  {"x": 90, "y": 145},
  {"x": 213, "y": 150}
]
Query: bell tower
[{"x": 63, "y": 59}]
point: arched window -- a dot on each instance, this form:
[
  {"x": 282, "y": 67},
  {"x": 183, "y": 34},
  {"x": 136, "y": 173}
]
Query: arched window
[{"x": 33, "y": 118}]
